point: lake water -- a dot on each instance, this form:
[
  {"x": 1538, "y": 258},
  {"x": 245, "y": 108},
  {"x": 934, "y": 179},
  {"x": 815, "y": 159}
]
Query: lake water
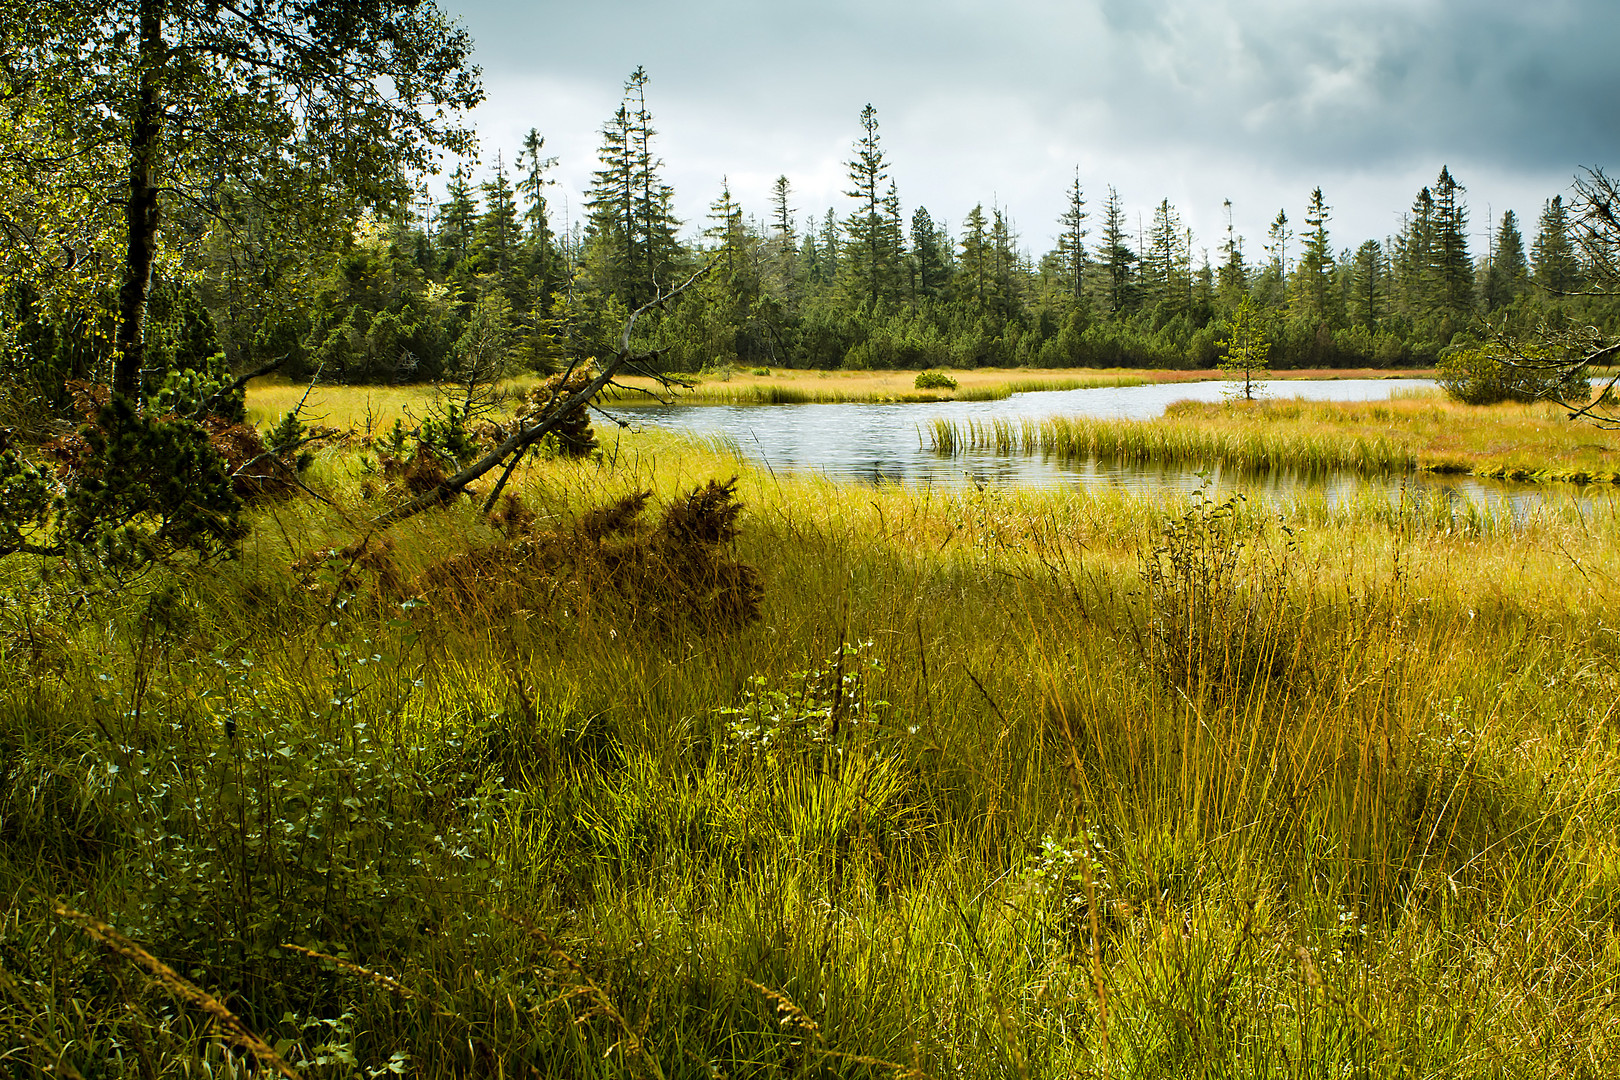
[{"x": 888, "y": 443}]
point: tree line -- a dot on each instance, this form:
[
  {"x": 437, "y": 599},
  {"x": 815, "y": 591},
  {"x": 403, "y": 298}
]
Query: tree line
[{"x": 417, "y": 287}]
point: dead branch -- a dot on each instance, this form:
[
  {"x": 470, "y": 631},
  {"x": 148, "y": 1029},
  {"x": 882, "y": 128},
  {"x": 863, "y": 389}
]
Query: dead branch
[
  {"x": 208, "y": 403},
  {"x": 548, "y": 418}
]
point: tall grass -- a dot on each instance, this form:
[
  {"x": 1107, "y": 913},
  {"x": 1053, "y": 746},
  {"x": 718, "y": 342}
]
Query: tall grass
[
  {"x": 1082, "y": 438},
  {"x": 1001, "y": 784}
]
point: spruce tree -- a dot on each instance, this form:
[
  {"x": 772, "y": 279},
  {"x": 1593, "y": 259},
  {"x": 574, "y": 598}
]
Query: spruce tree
[
  {"x": 1508, "y": 273},
  {"x": 870, "y": 259},
  {"x": 1313, "y": 279},
  {"x": 1451, "y": 268},
  {"x": 1413, "y": 256},
  {"x": 457, "y": 218},
  {"x": 1071, "y": 243},
  {"x": 929, "y": 269},
  {"x": 532, "y": 168},
  {"x": 1116, "y": 256},
  {"x": 977, "y": 257},
  {"x": 1166, "y": 270},
  {"x": 654, "y": 198},
  {"x": 1368, "y": 288},
  {"x": 497, "y": 232},
  {"x": 632, "y": 223},
  {"x": 1557, "y": 269},
  {"x": 1233, "y": 277}
]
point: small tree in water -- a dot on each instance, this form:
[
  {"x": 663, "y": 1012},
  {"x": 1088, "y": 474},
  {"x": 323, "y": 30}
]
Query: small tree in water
[{"x": 1247, "y": 349}]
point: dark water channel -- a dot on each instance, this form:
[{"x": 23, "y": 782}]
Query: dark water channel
[{"x": 889, "y": 443}]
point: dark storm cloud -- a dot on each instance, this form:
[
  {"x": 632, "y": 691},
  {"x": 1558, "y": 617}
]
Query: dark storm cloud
[
  {"x": 1366, "y": 82},
  {"x": 1194, "y": 100}
]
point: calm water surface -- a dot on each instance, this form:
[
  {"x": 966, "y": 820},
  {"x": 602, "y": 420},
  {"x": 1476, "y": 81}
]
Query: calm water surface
[{"x": 888, "y": 443}]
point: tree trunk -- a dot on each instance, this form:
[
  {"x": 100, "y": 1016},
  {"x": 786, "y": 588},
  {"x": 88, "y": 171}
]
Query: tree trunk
[{"x": 141, "y": 208}]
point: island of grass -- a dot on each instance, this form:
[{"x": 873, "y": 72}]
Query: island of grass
[{"x": 1423, "y": 432}]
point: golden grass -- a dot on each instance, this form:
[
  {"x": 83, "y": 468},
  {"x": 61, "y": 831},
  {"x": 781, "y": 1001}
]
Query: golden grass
[
  {"x": 1425, "y": 432},
  {"x": 958, "y": 805}
]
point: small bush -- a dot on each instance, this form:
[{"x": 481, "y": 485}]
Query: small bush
[
  {"x": 934, "y": 380},
  {"x": 1218, "y": 613},
  {"x": 1484, "y": 376}
]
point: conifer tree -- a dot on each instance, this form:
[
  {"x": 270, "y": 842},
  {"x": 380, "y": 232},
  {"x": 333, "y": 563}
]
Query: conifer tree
[
  {"x": 870, "y": 259},
  {"x": 457, "y": 218},
  {"x": 1451, "y": 268},
  {"x": 1071, "y": 243},
  {"x": 632, "y": 223},
  {"x": 1313, "y": 279},
  {"x": 1507, "y": 274},
  {"x": 831, "y": 240},
  {"x": 1277, "y": 248},
  {"x": 1166, "y": 270},
  {"x": 532, "y": 169},
  {"x": 1233, "y": 277},
  {"x": 928, "y": 264},
  {"x": 1368, "y": 288},
  {"x": 977, "y": 259},
  {"x": 1414, "y": 254},
  {"x": 1116, "y": 256},
  {"x": 1557, "y": 269},
  {"x": 497, "y": 232}
]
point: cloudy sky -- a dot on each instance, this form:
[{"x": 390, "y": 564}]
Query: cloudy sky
[{"x": 1197, "y": 101}]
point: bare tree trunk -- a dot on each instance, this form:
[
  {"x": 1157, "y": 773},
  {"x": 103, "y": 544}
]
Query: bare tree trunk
[{"x": 141, "y": 208}]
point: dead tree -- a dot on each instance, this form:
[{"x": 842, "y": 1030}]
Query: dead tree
[
  {"x": 1574, "y": 350},
  {"x": 542, "y": 421}
]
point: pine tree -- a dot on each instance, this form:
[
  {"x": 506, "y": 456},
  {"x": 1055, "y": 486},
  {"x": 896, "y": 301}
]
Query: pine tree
[
  {"x": 1071, "y": 244},
  {"x": 1368, "y": 288},
  {"x": 457, "y": 218},
  {"x": 1313, "y": 278},
  {"x": 1553, "y": 256},
  {"x": 929, "y": 269},
  {"x": 1233, "y": 278},
  {"x": 497, "y": 232},
  {"x": 1451, "y": 268},
  {"x": 1507, "y": 274},
  {"x": 1116, "y": 256},
  {"x": 533, "y": 168},
  {"x": 870, "y": 259},
  {"x": 977, "y": 259}
]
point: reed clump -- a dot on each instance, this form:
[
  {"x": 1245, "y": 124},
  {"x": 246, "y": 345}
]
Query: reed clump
[{"x": 998, "y": 783}]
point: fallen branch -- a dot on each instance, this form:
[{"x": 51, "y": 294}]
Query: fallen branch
[{"x": 549, "y": 419}]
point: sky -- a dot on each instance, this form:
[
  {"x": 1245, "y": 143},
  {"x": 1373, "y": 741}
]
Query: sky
[{"x": 1194, "y": 101}]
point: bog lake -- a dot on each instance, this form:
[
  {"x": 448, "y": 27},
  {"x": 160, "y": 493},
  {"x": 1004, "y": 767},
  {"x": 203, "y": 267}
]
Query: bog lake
[{"x": 888, "y": 443}]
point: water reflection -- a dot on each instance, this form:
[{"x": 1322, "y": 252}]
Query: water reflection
[{"x": 878, "y": 443}]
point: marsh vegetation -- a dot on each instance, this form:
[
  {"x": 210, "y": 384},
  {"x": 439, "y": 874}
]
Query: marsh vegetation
[{"x": 999, "y": 783}]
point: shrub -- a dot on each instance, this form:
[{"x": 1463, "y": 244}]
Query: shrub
[
  {"x": 1486, "y": 375},
  {"x": 934, "y": 380},
  {"x": 1217, "y": 613}
]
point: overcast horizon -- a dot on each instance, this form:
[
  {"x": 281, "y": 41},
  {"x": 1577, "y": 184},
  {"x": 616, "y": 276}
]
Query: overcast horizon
[{"x": 1196, "y": 101}]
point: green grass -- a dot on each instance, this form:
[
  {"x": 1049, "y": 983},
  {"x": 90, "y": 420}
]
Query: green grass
[{"x": 1003, "y": 783}]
